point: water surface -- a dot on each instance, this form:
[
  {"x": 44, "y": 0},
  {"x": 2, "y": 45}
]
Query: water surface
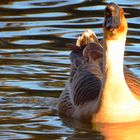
[{"x": 34, "y": 66}]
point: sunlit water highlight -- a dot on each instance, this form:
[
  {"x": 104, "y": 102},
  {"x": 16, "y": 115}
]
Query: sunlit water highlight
[{"x": 34, "y": 66}]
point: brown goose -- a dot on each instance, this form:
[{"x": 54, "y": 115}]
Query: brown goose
[{"x": 95, "y": 96}]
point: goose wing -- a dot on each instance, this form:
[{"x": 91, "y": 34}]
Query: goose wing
[
  {"x": 133, "y": 81},
  {"x": 85, "y": 78},
  {"x": 85, "y": 82}
]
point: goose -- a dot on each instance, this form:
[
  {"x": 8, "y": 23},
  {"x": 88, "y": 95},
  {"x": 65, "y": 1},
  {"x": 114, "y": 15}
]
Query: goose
[{"x": 100, "y": 88}]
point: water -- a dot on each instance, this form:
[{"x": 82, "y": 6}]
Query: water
[{"x": 34, "y": 66}]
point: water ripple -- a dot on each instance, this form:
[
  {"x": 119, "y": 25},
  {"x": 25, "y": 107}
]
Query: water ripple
[{"x": 35, "y": 62}]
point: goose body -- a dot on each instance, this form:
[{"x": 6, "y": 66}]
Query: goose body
[{"x": 100, "y": 88}]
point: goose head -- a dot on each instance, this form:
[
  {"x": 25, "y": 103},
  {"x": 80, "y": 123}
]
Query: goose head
[{"x": 115, "y": 24}]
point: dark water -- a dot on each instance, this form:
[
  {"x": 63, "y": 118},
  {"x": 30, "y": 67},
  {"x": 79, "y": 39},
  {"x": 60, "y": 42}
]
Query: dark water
[{"x": 34, "y": 65}]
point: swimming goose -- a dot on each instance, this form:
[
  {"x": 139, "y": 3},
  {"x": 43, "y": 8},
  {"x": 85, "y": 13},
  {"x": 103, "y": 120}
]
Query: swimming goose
[{"x": 102, "y": 93}]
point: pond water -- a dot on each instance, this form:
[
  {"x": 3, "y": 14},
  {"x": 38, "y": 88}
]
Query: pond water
[{"x": 34, "y": 66}]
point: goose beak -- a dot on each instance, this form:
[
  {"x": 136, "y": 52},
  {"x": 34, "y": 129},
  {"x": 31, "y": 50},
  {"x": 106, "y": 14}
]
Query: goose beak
[{"x": 112, "y": 17}]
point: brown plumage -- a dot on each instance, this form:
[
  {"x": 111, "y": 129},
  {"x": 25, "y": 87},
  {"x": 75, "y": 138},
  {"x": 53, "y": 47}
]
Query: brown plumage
[
  {"x": 84, "y": 77},
  {"x": 84, "y": 97}
]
